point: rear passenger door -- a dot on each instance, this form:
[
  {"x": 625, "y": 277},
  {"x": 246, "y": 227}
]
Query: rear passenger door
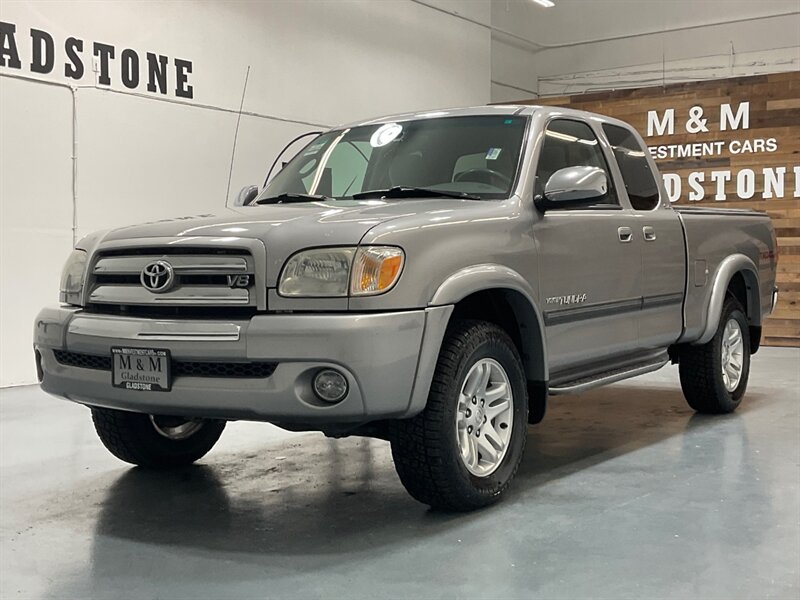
[
  {"x": 589, "y": 266},
  {"x": 659, "y": 237}
]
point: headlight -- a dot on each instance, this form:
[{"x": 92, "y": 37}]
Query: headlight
[
  {"x": 323, "y": 272},
  {"x": 375, "y": 270},
  {"x": 326, "y": 272},
  {"x": 72, "y": 277}
]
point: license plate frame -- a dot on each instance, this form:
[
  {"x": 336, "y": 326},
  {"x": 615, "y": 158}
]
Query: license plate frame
[{"x": 147, "y": 369}]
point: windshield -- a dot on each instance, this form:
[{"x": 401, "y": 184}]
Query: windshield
[{"x": 476, "y": 155}]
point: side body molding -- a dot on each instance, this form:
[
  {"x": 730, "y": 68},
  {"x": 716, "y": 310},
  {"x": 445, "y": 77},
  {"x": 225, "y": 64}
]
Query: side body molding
[
  {"x": 722, "y": 278},
  {"x": 520, "y": 296}
]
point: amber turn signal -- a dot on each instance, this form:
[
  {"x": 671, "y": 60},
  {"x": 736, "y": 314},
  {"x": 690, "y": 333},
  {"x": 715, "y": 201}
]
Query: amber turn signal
[{"x": 375, "y": 270}]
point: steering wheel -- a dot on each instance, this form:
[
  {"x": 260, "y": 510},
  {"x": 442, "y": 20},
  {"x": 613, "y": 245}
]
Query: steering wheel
[{"x": 487, "y": 176}]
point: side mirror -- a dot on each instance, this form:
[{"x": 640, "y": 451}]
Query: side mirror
[
  {"x": 573, "y": 186},
  {"x": 246, "y": 195}
]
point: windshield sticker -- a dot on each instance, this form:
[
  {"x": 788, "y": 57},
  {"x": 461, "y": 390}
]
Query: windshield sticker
[
  {"x": 385, "y": 134},
  {"x": 314, "y": 149},
  {"x": 493, "y": 153}
]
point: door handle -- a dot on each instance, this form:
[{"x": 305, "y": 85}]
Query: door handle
[
  {"x": 649, "y": 233},
  {"x": 625, "y": 234}
]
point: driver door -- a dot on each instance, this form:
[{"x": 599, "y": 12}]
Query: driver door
[{"x": 589, "y": 263}]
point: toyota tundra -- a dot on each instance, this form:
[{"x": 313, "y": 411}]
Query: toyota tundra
[{"x": 430, "y": 279}]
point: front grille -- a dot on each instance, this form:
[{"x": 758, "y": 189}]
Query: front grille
[
  {"x": 219, "y": 280},
  {"x": 175, "y": 250},
  {"x": 83, "y": 361},
  {"x": 179, "y": 368},
  {"x": 247, "y": 370},
  {"x": 201, "y": 278},
  {"x": 175, "y": 312}
]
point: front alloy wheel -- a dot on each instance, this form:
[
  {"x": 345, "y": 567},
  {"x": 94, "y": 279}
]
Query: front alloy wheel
[
  {"x": 463, "y": 450},
  {"x": 175, "y": 428},
  {"x": 484, "y": 417}
]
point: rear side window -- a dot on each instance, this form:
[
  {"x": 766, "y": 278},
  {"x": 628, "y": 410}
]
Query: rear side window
[{"x": 632, "y": 161}]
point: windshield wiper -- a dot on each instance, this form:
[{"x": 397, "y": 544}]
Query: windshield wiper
[
  {"x": 414, "y": 192},
  {"x": 292, "y": 197}
]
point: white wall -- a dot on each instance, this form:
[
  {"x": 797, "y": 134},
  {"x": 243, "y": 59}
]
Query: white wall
[
  {"x": 142, "y": 156},
  {"x": 514, "y": 69},
  {"x": 580, "y": 46},
  {"x": 35, "y": 214}
]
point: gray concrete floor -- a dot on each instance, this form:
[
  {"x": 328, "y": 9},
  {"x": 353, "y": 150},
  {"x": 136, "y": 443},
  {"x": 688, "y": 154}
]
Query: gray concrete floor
[{"x": 623, "y": 493}]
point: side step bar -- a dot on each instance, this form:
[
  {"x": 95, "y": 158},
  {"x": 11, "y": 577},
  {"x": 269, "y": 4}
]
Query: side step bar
[{"x": 586, "y": 383}]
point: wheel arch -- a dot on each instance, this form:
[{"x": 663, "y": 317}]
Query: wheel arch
[
  {"x": 737, "y": 275},
  {"x": 505, "y": 294}
]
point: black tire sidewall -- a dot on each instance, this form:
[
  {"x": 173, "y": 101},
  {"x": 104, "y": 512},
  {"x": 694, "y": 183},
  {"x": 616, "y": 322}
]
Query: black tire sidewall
[
  {"x": 133, "y": 438},
  {"x": 501, "y": 349}
]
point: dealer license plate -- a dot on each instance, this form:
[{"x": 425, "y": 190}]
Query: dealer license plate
[{"x": 141, "y": 369}]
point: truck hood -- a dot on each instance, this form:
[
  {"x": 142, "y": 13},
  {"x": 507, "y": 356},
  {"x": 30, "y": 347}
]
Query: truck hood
[{"x": 287, "y": 228}]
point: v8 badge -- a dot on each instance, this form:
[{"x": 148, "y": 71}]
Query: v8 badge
[{"x": 238, "y": 281}]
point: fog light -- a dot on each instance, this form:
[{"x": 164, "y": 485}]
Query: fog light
[{"x": 330, "y": 385}]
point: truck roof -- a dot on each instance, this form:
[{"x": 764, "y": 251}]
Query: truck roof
[{"x": 495, "y": 109}]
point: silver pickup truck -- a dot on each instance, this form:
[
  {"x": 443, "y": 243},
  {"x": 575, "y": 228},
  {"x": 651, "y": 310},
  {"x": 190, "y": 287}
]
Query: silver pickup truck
[{"x": 429, "y": 279}]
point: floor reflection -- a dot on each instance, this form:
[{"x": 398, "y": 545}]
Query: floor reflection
[
  {"x": 313, "y": 500},
  {"x": 319, "y": 494}
]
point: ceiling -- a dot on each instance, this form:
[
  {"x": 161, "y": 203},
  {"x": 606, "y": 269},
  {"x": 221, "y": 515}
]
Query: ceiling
[{"x": 578, "y": 21}]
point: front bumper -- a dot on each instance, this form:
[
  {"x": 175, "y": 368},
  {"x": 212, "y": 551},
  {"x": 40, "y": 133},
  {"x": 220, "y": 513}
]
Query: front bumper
[{"x": 388, "y": 359}]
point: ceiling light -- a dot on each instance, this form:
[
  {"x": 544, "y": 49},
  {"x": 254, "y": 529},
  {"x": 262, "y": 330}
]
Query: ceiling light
[{"x": 545, "y": 3}]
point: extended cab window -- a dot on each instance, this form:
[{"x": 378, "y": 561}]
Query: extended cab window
[
  {"x": 571, "y": 144},
  {"x": 632, "y": 161}
]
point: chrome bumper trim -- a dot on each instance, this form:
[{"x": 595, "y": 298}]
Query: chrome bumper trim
[
  {"x": 184, "y": 296},
  {"x": 121, "y": 328}
]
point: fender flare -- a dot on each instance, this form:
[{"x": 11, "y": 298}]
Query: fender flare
[
  {"x": 489, "y": 276},
  {"x": 729, "y": 267}
]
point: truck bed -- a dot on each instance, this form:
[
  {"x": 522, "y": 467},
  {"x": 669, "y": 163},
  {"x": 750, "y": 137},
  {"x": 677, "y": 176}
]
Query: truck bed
[{"x": 710, "y": 243}]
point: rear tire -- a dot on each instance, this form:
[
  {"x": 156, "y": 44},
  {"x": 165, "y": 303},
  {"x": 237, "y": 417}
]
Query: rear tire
[
  {"x": 708, "y": 386},
  {"x": 437, "y": 461},
  {"x": 155, "y": 442}
]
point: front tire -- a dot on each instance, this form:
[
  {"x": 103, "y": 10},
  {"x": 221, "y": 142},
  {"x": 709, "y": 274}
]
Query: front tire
[
  {"x": 155, "y": 442},
  {"x": 714, "y": 375},
  {"x": 463, "y": 450}
]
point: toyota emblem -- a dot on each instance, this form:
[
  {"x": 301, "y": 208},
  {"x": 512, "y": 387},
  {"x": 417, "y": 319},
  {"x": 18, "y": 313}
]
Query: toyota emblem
[{"x": 158, "y": 276}]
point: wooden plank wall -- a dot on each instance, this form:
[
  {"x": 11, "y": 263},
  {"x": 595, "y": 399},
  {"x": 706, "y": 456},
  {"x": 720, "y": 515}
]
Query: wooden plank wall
[{"x": 774, "y": 114}]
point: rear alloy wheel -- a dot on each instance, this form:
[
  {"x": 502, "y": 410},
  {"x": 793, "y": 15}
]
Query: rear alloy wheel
[
  {"x": 732, "y": 354},
  {"x": 714, "y": 375},
  {"x": 155, "y": 441},
  {"x": 463, "y": 450}
]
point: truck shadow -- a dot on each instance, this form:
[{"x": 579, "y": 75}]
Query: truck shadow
[
  {"x": 338, "y": 500},
  {"x": 585, "y": 430}
]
